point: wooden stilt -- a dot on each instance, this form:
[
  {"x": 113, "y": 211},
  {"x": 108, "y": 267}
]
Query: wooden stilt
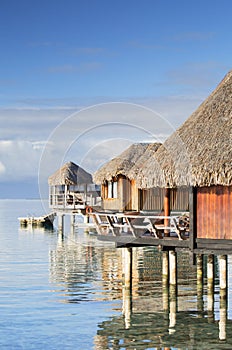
[
  {"x": 223, "y": 276},
  {"x": 61, "y": 223},
  {"x": 72, "y": 219},
  {"x": 210, "y": 287},
  {"x": 165, "y": 279},
  {"x": 200, "y": 304},
  {"x": 166, "y": 210},
  {"x": 172, "y": 290},
  {"x": 127, "y": 267},
  {"x": 127, "y": 285}
]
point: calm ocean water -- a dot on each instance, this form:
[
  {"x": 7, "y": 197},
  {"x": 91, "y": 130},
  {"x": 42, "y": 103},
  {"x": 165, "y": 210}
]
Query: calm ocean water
[{"x": 67, "y": 293}]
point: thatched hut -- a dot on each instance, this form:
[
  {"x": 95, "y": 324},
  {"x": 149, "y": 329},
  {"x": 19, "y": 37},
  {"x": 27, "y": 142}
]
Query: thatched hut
[
  {"x": 118, "y": 188},
  {"x": 198, "y": 156},
  {"x": 71, "y": 187}
]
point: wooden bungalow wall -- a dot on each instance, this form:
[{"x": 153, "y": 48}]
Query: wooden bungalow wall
[
  {"x": 129, "y": 197},
  {"x": 214, "y": 212},
  {"x": 153, "y": 199},
  {"x": 124, "y": 196}
]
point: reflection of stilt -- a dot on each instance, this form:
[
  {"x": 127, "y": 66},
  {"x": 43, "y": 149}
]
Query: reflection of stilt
[
  {"x": 127, "y": 284},
  {"x": 223, "y": 319},
  {"x": 172, "y": 290},
  {"x": 210, "y": 287},
  {"x": 223, "y": 296},
  {"x": 200, "y": 303}
]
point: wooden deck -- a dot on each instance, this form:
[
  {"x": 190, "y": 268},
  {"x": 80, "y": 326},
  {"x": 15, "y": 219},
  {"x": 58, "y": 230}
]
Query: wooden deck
[
  {"x": 140, "y": 230},
  {"x": 43, "y": 221}
]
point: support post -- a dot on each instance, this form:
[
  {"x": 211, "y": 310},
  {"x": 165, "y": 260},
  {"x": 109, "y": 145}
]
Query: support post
[
  {"x": 167, "y": 210},
  {"x": 172, "y": 290},
  {"x": 210, "y": 287},
  {"x": 72, "y": 219},
  {"x": 127, "y": 267},
  {"x": 61, "y": 223},
  {"x": 192, "y": 218},
  {"x": 172, "y": 272},
  {"x": 127, "y": 284},
  {"x": 200, "y": 305},
  {"x": 86, "y": 218},
  {"x": 223, "y": 276},
  {"x": 165, "y": 278}
]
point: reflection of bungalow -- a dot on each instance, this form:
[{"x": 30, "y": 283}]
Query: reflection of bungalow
[
  {"x": 71, "y": 187},
  {"x": 198, "y": 157},
  {"x": 118, "y": 188}
]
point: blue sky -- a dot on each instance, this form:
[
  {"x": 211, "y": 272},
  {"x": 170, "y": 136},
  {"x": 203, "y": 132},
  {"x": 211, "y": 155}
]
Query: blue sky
[{"x": 58, "y": 57}]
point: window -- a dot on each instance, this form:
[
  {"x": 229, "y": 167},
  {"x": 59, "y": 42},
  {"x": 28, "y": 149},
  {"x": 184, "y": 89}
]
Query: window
[{"x": 112, "y": 189}]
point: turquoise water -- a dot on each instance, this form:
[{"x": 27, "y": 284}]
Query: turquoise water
[{"x": 67, "y": 293}]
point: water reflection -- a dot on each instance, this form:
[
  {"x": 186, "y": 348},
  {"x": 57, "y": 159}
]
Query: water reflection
[
  {"x": 193, "y": 316},
  {"x": 151, "y": 330},
  {"x": 175, "y": 325},
  {"x": 84, "y": 270}
]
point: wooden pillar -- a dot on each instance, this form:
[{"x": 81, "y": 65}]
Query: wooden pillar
[
  {"x": 65, "y": 195},
  {"x": 167, "y": 210},
  {"x": 127, "y": 267},
  {"x": 210, "y": 287},
  {"x": 210, "y": 271},
  {"x": 61, "y": 222},
  {"x": 192, "y": 218},
  {"x": 86, "y": 218},
  {"x": 172, "y": 290},
  {"x": 223, "y": 276},
  {"x": 165, "y": 268},
  {"x": 200, "y": 305},
  {"x": 72, "y": 219},
  {"x": 127, "y": 285},
  {"x": 165, "y": 279},
  {"x": 223, "y": 280},
  {"x": 172, "y": 272}
]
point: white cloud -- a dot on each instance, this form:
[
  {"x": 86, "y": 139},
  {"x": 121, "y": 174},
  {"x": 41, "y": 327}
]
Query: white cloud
[
  {"x": 19, "y": 159},
  {"x": 2, "y": 168},
  {"x": 89, "y": 137}
]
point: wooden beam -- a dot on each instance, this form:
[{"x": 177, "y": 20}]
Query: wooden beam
[
  {"x": 192, "y": 218},
  {"x": 166, "y": 210}
]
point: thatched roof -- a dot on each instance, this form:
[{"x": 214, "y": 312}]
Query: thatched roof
[
  {"x": 127, "y": 163},
  {"x": 199, "y": 153},
  {"x": 70, "y": 174}
]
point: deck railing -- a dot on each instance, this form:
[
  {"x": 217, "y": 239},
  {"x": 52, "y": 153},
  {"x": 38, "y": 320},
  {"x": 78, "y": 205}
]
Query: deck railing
[{"x": 157, "y": 226}]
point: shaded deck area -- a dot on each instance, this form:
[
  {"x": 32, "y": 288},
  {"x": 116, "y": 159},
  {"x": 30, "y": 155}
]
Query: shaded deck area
[{"x": 141, "y": 229}]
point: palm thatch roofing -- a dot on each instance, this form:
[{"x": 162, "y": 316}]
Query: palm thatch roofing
[
  {"x": 199, "y": 153},
  {"x": 70, "y": 174},
  {"x": 127, "y": 163}
]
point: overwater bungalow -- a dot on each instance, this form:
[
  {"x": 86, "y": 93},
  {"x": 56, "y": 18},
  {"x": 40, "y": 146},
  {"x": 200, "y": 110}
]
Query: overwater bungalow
[
  {"x": 198, "y": 158},
  {"x": 71, "y": 187},
  {"x": 190, "y": 174},
  {"x": 119, "y": 190}
]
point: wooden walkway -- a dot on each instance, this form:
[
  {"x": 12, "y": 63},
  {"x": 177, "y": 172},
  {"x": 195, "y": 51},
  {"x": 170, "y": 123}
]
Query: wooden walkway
[{"x": 129, "y": 229}]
